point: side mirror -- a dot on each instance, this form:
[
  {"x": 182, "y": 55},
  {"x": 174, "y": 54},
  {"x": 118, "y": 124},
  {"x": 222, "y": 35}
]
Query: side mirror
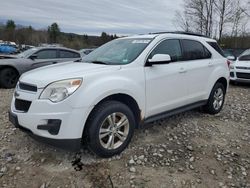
[
  {"x": 159, "y": 59},
  {"x": 33, "y": 56},
  {"x": 231, "y": 57}
]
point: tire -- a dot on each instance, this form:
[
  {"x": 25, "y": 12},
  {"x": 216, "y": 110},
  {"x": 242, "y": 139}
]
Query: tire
[
  {"x": 233, "y": 82},
  {"x": 8, "y": 78},
  {"x": 216, "y": 99},
  {"x": 107, "y": 116}
]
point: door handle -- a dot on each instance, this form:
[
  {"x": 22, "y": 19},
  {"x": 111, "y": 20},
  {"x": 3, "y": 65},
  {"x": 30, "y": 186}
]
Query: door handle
[
  {"x": 210, "y": 64},
  {"x": 182, "y": 70},
  {"x": 54, "y": 62}
]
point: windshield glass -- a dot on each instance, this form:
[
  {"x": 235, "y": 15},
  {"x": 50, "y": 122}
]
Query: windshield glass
[
  {"x": 247, "y": 52},
  {"x": 27, "y": 53},
  {"x": 245, "y": 56},
  {"x": 118, "y": 52}
]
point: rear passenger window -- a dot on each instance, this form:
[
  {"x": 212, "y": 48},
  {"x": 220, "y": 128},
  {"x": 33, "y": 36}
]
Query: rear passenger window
[
  {"x": 46, "y": 54},
  {"x": 171, "y": 47},
  {"x": 193, "y": 50},
  {"x": 217, "y": 48},
  {"x": 68, "y": 54}
]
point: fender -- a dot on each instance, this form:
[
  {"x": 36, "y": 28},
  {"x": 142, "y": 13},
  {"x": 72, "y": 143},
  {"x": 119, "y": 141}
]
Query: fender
[
  {"x": 97, "y": 87},
  {"x": 219, "y": 72}
]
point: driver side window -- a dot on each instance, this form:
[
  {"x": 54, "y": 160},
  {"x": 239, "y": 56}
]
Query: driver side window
[
  {"x": 47, "y": 54},
  {"x": 171, "y": 47}
]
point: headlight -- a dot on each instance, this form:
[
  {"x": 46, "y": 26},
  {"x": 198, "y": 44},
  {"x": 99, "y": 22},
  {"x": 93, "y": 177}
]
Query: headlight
[
  {"x": 60, "y": 90},
  {"x": 231, "y": 66}
]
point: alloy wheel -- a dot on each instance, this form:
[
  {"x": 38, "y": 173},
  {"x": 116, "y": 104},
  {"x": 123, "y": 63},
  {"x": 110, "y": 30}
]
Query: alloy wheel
[{"x": 114, "y": 131}]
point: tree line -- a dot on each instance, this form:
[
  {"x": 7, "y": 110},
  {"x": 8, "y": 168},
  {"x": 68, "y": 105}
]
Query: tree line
[
  {"x": 225, "y": 20},
  {"x": 30, "y": 36}
]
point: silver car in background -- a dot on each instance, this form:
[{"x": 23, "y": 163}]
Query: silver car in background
[
  {"x": 86, "y": 51},
  {"x": 12, "y": 67}
]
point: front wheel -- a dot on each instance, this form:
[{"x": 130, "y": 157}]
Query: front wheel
[
  {"x": 8, "y": 78},
  {"x": 216, "y": 99},
  {"x": 110, "y": 128}
]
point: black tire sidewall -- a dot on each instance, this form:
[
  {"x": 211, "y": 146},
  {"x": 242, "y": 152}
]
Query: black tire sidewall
[
  {"x": 3, "y": 73},
  {"x": 210, "y": 107},
  {"x": 96, "y": 120}
]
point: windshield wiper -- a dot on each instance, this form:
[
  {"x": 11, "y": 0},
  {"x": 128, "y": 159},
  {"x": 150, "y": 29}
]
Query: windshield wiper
[{"x": 99, "y": 62}]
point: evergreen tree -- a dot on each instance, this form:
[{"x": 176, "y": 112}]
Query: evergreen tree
[
  {"x": 10, "y": 30},
  {"x": 54, "y": 32}
]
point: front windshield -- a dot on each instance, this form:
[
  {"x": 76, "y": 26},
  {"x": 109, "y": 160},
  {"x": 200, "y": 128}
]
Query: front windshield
[
  {"x": 247, "y": 52},
  {"x": 245, "y": 56},
  {"x": 118, "y": 52},
  {"x": 27, "y": 53}
]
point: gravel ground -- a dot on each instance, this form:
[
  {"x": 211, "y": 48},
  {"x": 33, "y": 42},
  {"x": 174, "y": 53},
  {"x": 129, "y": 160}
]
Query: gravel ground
[{"x": 188, "y": 150}]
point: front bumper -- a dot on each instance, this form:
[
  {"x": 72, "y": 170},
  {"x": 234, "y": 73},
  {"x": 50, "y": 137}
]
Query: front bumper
[
  {"x": 57, "y": 124},
  {"x": 238, "y": 75},
  {"x": 67, "y": 144}
]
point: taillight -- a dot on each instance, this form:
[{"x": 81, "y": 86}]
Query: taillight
[{"x": 228, "y": 63}]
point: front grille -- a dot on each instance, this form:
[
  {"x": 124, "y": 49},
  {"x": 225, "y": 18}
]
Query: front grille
[
  {"x": 27, "y": 87},
  {"x": 243, "y": 75},
  {"x": 244, "y": 68},
  {"x": 22, "y": 105}
]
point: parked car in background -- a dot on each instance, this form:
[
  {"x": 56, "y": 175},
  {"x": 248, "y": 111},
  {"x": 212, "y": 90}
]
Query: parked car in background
[
  {"x": 25, "y": 47},
  {"x": 85, "y": 52},
  {"x": 7, "y": 49},
  {"x": 240, "y": 69},
  {"x": 233, "y": 52},
  {"x": 12, "y": 67},
  {"x": 123, "y": 84},
  {"x": 229, "y": 55}
]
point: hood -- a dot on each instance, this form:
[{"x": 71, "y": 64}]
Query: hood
[
  {"x": 41, "y": 77},
  {"x": 242, "y": 63}
]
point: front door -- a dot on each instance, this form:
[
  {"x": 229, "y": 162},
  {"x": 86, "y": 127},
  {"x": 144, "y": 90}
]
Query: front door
[{"x": 166, "y": 85}]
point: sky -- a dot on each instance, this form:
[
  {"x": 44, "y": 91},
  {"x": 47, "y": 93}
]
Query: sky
[{"x": 121, "y": 17}]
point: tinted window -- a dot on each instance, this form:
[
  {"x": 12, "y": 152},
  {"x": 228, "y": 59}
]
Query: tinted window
[
  {"x": 46, "y": 54},
  {"x": 170, "y": 47},
  {"x": 68, "y": 54},
  {"x": 244, "y": 58},
  {"x": 217, "y": 48},
  {"x": 193, "y": 50}
]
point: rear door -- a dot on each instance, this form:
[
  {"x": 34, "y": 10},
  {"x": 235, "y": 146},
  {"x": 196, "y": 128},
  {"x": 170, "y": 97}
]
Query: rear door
[
  {"x": 67, "y": 55},
  {"x": 199, "y": 68}
]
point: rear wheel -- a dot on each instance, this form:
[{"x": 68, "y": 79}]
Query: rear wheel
[
  {"x": 8, "y": 78},
  {"x": 216, "y": 99},
  {"x": 110, "y": 128}
]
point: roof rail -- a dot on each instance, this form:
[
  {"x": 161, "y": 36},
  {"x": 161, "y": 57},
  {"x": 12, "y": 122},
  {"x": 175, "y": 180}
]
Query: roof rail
[{"x": 181, "y": 33}]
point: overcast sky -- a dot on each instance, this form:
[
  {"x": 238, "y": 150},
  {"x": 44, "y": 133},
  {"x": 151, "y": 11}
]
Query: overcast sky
[{"x": 94, "y": 16}]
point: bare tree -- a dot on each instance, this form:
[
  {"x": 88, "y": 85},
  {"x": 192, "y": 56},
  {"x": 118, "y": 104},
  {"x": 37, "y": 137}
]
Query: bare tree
[
  {"x": 197, "y": 16},
  {"x": 195, "y": 10},
  {"x": 182, "y": 21},
  {"x": 209, "y": 4},
  {"x": 225, "y": 10},
  {"x": 238, "y": 18}
]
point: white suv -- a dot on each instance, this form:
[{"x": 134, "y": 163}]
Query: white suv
[
  {"x": 240, "y": 69},
  {"x": 118, "y": 87}
]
